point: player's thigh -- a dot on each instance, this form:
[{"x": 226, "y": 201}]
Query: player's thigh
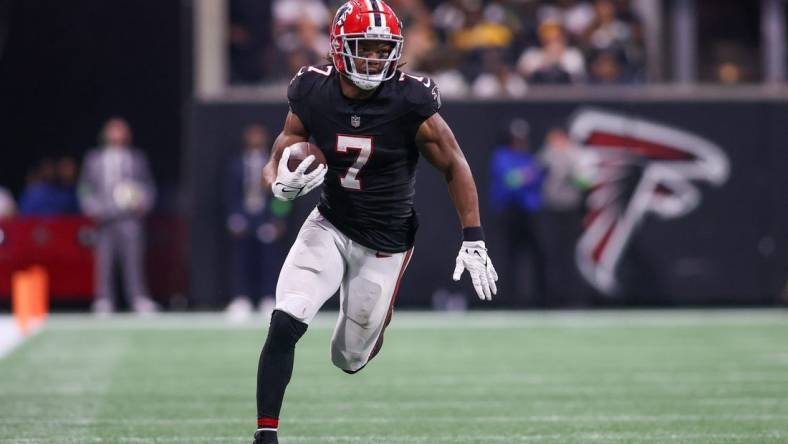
[
  {"x": 311, "y": 273},
  {"x": 368, "y": 294}
]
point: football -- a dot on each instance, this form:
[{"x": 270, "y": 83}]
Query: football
[{"x": 300, "y": 151}]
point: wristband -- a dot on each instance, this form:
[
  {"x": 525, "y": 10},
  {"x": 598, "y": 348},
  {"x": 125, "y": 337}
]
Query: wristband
[{"x": 471, "y": 234}]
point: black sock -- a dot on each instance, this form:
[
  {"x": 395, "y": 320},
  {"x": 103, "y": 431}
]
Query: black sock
[{"x": 276, "y": 364}]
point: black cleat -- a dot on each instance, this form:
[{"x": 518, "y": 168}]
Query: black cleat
[{"x": 265, "y": 437}]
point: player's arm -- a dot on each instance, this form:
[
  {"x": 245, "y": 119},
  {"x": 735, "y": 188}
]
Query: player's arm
[
  {"x": 286, "y": 184},
  {"x": 439, "y": 146}
]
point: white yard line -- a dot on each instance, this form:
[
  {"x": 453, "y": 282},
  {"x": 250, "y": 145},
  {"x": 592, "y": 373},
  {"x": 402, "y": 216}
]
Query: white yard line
[
  {"x": 605, "y": 419},
  {"x": 382, "y": 439}
]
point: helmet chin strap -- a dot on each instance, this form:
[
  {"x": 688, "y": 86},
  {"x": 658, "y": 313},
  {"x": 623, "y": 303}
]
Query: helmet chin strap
[
  {"x": 366, "y": 85},
  {"x": 363, "y": 84}
]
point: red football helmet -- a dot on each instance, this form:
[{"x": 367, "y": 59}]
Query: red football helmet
[{"x": 358, "y": 26}]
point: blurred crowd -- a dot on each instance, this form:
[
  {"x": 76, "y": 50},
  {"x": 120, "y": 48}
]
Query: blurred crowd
[
  {"x": 114, "y": 187},
  {"x": 60, "y": 186},
  {"x": 50, "y": 190},
  {"x": 533, "y": 187},
  {"x": 483, "y": 48}
]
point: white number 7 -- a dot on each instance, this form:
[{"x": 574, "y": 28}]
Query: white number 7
[{"x": 364, "y": 145}]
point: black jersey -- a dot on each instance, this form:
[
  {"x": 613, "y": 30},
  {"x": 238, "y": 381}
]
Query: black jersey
[{"x": 370, "y": 150}]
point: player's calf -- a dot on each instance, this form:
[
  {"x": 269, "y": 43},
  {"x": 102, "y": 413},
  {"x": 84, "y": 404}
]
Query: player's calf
[{"x": 274, "y": 372}]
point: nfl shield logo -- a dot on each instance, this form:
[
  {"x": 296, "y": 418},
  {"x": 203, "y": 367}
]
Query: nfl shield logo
[{"x": 355, "y": 121}]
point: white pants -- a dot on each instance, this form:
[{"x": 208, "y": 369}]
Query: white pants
[{"x": 322, "y": 260}]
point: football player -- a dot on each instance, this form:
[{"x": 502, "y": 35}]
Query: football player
[{"x": 372, "y": 122}]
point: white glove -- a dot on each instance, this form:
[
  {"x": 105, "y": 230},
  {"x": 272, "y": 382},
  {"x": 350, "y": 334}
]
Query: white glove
[
  {"x": 473, "y": 257},
  {"x": 291, "y": 184}
]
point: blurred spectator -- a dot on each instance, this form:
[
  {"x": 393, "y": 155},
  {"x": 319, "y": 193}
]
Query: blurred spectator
[
  {"x": 300, "y": 30},
  {"x": 731, "y": 42},
  {"x": 729, "y": 73},
  {"x": 554, "y": 61},
  {"x": 257, "y": 224},
  {"x": 448, "y": 17},
  {"x": 422, "y": 44},
  {"x": 67, "y": 176},
  {"x": 50, "y": 189},
  {"x": 116, "y": 189},
  {"x": 552, "y": 42},
  {"x": 615, "y": 31},
  {"x": 560, "y": 155},
  {"x": 516, "y": 180},
  {"x": 7, "y": 204},
  {"x": 606, "y": 69},
  {"x": 410, "y": 12},
  {"x": 498, "y": 80},
  {"x": 250, "y": 40},
  {"x": 606, "y": 31},
  {"x": 38, "y": 196},
  {"x": 563, "y": 199},
  {"x": 476, "y": 37},
  {"x": 732, "y": 63},
  {"x": 452, "y": 83},
  {"x": 517, "y": 18},
  {"x": 572, "y": 15}
]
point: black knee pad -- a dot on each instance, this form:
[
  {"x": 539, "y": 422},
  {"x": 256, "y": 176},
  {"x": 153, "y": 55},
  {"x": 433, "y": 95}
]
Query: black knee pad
[{"x": 284, "y": 330}]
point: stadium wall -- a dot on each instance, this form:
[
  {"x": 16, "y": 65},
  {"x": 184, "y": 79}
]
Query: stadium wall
[{"x": 728, "y": 250}]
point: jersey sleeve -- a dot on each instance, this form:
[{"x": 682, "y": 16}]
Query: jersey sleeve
[
  {"x": 297, "y": 96},
  {"x": 424, "y": 96}
]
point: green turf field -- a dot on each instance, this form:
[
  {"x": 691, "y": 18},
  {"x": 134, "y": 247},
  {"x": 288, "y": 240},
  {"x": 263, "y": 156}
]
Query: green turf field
[{"x": 627, "y": 377}]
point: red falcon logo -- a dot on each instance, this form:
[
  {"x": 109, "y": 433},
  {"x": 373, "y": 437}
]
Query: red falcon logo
[
  {"x": 342, "y": 13},
  {"x": 637, "y": 167}
]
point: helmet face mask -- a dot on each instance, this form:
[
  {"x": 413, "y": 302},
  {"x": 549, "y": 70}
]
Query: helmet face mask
[
  {"x": 368, "y": 62},
  {"x": 366, "y": 42}
]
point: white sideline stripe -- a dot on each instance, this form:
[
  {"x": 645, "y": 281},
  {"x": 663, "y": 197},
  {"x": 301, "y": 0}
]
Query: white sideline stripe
[
  {"x": 371, "y": 439},
  {"x": 561, "y": 437},
  {"x": 442, "y": 320},
  {"x": 10, "y": 335}
]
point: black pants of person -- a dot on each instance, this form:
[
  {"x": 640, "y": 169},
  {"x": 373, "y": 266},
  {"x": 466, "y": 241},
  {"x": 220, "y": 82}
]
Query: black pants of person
[
  {"x": 256, "y": 265},
  {"x": 121, "y": 240},
  {"x": 561, "y": 231},
  {"x": 524, "y": 278}
]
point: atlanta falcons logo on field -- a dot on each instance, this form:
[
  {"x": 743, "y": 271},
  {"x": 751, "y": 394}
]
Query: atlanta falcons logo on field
[{"x": 635, "y": 167}]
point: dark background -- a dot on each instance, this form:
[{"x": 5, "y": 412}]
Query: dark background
[
  {"x": 67, "y": 66},
  {"x": 730, "y": 250}
]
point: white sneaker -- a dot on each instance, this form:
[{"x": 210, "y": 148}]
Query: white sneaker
[
  {"x": 103, "y": 307},
  {"x": 144, "y": 305},
  {"x": 239, "y": 310}
]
